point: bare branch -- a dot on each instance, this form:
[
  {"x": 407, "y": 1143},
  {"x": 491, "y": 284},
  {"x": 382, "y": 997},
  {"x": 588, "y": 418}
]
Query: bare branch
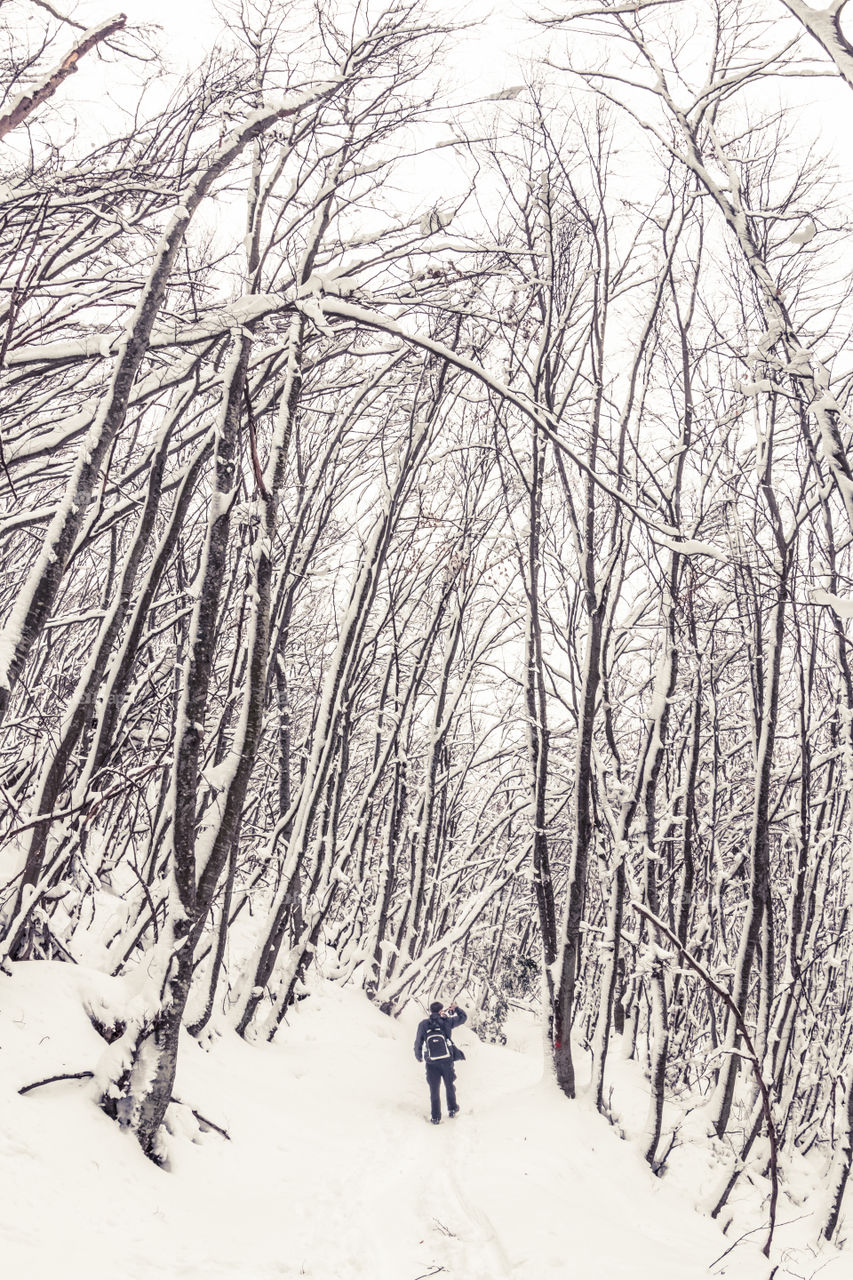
[
  {"x": 605, "y": 10},
  {"x": 724, "y": 995},
  {"x": 54, "y": 13},
  {"x": 66, "y": 1075}
]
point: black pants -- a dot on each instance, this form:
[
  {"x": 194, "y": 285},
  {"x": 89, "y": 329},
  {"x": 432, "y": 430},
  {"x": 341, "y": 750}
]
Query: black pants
[{"x": 435, "y": 1073}]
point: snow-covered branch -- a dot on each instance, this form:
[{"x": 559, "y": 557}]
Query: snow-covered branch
[{"x": 49, "y": 81}]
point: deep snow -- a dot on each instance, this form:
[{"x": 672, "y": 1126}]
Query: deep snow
[{"x": 332, "y": 1170}]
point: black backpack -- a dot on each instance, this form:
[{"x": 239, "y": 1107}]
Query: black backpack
[{"x": 437, "y": 1046}]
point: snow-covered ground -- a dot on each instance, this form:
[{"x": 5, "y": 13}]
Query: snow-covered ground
[{"x": 332, "y": 1170}]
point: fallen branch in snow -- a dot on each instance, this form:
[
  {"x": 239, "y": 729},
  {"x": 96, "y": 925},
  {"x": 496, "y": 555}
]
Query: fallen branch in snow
[
  {"x": 753, "y": 1057},
  {"x": 68, "y": 1075},
  {"x": 203, "y": 1120},
  {"x": 734, "y": 1244},
  {"x": 790, "y": 1222}
]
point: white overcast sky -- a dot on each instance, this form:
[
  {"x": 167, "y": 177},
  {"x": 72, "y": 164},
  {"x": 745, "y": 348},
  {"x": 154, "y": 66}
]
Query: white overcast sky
[
  {"x": 189, "y": 28},
  {"x": 484, "y": 59}
]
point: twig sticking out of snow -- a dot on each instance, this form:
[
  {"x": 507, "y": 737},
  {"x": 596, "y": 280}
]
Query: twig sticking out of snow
[
  {"x": 203, "y": 1120},
  {"x": 66, "y": 1075},
  {"x": 89, "y": 1075}
]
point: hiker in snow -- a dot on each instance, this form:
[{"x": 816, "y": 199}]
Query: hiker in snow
[{"x": 434, "y": 1046}]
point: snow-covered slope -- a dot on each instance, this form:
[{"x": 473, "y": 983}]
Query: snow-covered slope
[{"x": 332, "y": 1170}]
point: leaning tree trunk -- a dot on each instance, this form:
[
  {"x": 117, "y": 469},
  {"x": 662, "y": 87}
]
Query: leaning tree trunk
[{"x": 139, "y": 1093}]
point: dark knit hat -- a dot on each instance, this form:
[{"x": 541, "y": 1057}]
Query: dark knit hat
[{"x": 436, "y": 1006}]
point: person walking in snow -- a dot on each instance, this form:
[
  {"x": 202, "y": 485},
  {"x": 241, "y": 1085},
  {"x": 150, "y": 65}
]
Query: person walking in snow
[{"x": 434, "y": 1047}]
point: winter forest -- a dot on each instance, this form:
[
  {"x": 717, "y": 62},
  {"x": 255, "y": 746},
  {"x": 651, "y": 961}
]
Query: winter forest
[{"x": 426, "y": 533}]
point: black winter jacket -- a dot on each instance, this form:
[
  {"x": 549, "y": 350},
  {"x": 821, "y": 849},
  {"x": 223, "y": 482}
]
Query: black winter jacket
[{"x": 444, "y": 1024}]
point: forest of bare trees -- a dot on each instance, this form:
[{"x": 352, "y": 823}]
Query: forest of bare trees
[{"x": 454, "y": 583}]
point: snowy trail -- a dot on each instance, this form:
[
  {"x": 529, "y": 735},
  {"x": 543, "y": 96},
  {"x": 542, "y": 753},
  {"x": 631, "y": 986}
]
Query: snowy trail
[{"x": 333, "y": 1171}]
